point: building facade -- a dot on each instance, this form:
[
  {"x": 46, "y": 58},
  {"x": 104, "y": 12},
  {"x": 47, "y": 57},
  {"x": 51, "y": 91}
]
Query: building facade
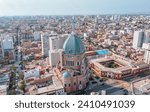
[
  {"x": 56, "y": 45},
  {"x": 147, "y": 53},
  {"x": 117, "y": 67},
  {"x": 140, "y": 37},
  {"x": 7, "y": 49},
  {"x": 73, "y": 64},
  {"x": 51, "y": 42}
]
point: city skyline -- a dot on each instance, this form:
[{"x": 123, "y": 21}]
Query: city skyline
[{"x": 72, "y": 7}]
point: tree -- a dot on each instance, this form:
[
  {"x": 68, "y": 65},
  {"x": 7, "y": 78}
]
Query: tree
[
  {"x": 13, "y": 75},
  {"x": 22, "y": 85},
  {"x": 13, "y": 68},
  {"x": 47, "y": 70},
  {"x": 21, "y": 76}
]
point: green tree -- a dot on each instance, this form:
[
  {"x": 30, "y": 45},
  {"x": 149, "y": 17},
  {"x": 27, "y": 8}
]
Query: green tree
[
  {"x": 13, "y": 68},
  {"x": 22, "y": 85},
  {"x": 47, "y": 70},
  {"x": 21, "y": 76}
]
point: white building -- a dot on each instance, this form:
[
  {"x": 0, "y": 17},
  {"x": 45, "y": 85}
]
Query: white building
[
  {"x": 56, "y": 44},
  {"x": 45, "y": 44},
  {"x": 51, "y": 42},
  {"x": 55, "y": 57},
  {"x": 37, "y": 36},
  {"x": 3, "y": 89},
  {"x": 147, "y": 37},
  {"x": 146, "y": 46},
  {"x": 138, "y": 39},
  {"x": 1, "y": 50},
  {"x": 52, "y": 45},
  {"x": 7, "y": 43},
  {"x": 32, "y": 73},
  {"x": 7, "y": 48}
]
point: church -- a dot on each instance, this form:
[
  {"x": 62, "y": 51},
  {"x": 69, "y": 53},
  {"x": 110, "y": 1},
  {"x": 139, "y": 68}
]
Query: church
[{"x": 71, "y": 69}]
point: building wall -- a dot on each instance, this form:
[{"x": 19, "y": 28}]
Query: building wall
[
  {"x": 146, "y": 46},
  {"x": 147, "y": 37},
  {"x": 60, "y": 92},
  {"x": 52, "y": 42},
  {"x": 76, "y": 83},
  {"x": 126, "y": 71},
  {"x": 54, "y": 57},
  {"x": 138, "y": 39},
  {"x": 45, "y": 45},
  {"x": 57, "y": 42},
  {"x": 7, "y": 48},
  {"x": 37, "y": 36},
  {"x": 147, "y": 57},
  {"x": 75, "y": 59},
  {"x": 1, "y": 50}
]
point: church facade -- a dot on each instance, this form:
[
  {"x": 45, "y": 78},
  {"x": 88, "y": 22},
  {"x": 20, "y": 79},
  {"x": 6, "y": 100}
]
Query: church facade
[{"x": 71, "y": 69}]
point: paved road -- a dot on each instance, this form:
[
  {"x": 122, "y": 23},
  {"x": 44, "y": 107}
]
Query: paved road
[{"x": 110, "y": 86}]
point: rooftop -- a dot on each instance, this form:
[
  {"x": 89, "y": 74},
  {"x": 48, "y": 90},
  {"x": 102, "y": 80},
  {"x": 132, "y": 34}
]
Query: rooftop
[
  {"x": 73, "y": 45},
  {"x": 57, "y": 85}
]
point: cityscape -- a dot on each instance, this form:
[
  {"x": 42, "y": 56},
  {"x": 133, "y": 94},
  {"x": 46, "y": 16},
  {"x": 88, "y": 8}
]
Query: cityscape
[{"x": 75, "y": 55}]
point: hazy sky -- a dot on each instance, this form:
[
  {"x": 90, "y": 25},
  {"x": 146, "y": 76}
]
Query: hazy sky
[{"x": 65, "y": 7}]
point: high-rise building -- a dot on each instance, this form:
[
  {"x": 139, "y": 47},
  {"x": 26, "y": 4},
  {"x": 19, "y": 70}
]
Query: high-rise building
[
  {"x": 54, "y": 57},
  {"x": 37, "y": 36},
  {"x": 147, "y": 53},
  {"x": 55, "y": 46},
  {"x": 1, "y": 50},
  {"x": 140, "y": 37},
  {"x": 56, "y": 42},
  {"x": 147, "y": 36},
  {"x": 51, "y": 42},
  {"x": 7, "y": 48},
  {"x": 45, "y": 44}
]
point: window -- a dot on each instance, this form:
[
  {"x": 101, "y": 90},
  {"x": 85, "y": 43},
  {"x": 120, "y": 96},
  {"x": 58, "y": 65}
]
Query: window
[
  {"x": 80, "y": 82},
  {"x": 69, "y": 56},
  {"x": 78, "y": 63},
  {"x": 78, "y": 56},
  {"x": 6, "y": 53},
  {"x": 70, "y": 63},
  {"x": 65, "y": 85},
  {"x": 77, "y": 73},
  {"x": 74, "y": 83},
  {"x": 69, "y": 85}
]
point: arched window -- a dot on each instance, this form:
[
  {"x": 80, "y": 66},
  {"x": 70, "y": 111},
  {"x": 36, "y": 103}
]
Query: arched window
[
  {"x": 65, "y": 85},
  {"x": 78, "y": 63},
  {"x": 80, "y": 82}
]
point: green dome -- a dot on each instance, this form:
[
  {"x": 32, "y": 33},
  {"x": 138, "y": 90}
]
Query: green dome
[
  {"x": 66, "y": 75},
  {"x": 73, "y": 45}
]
